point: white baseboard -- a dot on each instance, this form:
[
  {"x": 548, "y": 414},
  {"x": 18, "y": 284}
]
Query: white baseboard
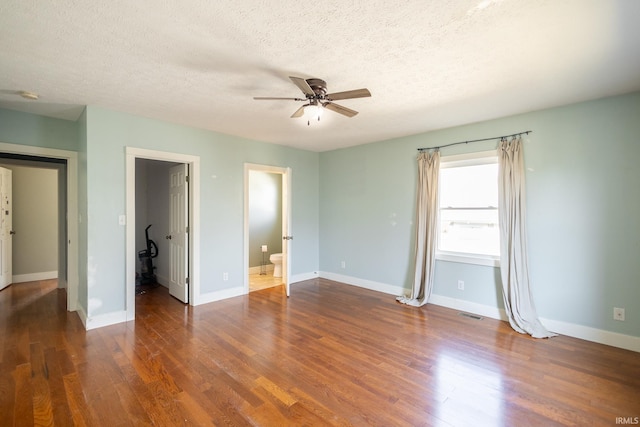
[
  {"x": 469, "y": 307},
  {"x": 295, "y": 278},
  {"x": 32, "y": 277},
  {"x": 364, "y": 283},
  {"x": 614, "y": 339},
  {"x": 82, "y": 315},
  {"x": 627, "y": 342},
  {"x": 107, "y": 319},
  {"x": 219, "y": 295}
]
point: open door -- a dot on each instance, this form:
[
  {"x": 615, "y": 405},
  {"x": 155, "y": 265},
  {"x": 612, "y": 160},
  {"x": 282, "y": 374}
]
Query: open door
[
  {"x": 286, "y": 230},
  {"x": 6, "y": 232},
  {"x": 178, "y": 232}
]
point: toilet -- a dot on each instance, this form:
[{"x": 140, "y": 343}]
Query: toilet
[{"x": 276, "y": 260}]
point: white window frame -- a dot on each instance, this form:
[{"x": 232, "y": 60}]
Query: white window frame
[{"x": 461, "y": 160}]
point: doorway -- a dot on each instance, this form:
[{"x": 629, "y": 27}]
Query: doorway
[
  {"x": 267, "y": 227},
  {"x": 66, "y": 165},
  {"x": 183, "y": 281}
]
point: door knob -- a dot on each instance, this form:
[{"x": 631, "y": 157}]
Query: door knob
[{"x": 168, "y": 237}]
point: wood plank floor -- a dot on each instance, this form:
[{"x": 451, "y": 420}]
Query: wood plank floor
[{"x": 331, "y": 355}]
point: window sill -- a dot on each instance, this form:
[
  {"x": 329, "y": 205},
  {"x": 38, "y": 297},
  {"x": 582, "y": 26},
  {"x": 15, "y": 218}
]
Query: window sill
[{"x": 486, "y": 260}]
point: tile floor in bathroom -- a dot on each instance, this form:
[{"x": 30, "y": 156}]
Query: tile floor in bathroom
[{"x": 264, "y": 281}]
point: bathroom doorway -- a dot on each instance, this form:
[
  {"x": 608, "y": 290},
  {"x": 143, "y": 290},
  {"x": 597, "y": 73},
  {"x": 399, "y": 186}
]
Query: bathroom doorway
[{"x": 267, "y": 231}]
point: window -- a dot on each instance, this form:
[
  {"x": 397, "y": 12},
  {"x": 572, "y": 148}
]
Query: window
[{"x": 468, "y": 207}]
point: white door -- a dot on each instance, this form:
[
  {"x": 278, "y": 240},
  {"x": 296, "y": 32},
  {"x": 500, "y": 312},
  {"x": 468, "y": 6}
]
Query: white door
[
  {"x": 178, "y": 233},
  {"x": 6, "y": 232},
  {"x": 286, "y": 229}
]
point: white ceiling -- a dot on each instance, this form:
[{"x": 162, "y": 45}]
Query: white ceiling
[{"x": 428, "y": 64}]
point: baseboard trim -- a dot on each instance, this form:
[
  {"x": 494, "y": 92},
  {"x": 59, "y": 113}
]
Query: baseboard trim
[
  {"x": 32, "y": 277},
  {"x": 107, "y": 319},
  {"x": 219, "y": 295},
  {"x": 364, "y": 283},
  {"x": 82, "y": 315},
  {"x": 614, "y": 339},
  {"x": 295, "y": 278},
  {"x": 600, "y": 336}
]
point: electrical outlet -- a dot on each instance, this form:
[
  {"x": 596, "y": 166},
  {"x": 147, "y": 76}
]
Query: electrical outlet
[
  {"x": 461, "y": 285},
  {"x": 343, "y": 264},
  {"x": 618, "y": 314},
  {"x": 225, "y": 276}
]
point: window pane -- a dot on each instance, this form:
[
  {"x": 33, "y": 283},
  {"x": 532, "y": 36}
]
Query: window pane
[
  {"x": 470, "y": 231},
  {"x": 469, "y": 209},
  {"x": 469, "y": 186}
]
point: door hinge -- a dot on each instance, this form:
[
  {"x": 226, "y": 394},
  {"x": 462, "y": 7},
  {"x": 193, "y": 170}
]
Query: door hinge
[
  {"x": 187, "y": 230},
  {"x": 186, "y": 177},
  {"x": 186, "y": 280}
]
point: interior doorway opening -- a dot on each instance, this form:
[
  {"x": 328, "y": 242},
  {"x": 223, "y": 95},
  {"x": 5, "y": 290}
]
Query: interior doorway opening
[
  {"x": 65, "y": 165},
  {"x": 163, "y": 201},
  {"x": 267, "y": 230}
]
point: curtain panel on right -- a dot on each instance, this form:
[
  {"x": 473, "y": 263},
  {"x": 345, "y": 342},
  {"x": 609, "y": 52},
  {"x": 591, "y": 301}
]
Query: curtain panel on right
[{"x": 514, "y": 269}]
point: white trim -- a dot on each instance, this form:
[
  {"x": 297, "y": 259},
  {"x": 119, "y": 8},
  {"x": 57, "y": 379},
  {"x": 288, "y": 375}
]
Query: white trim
[
  {"x": 220, "y": 295},
  {"x": 131, "y": 154},
  {"x": 600, "y": 336},
  {"x": 32, "y": 277},
  {"x": 627, "y": 342},
  {"x": 71, "y": 158},
  {"x": 468, "y": 307},
  {"x": 463, "y": 258},
  {"x": 286, "y": 213},
  {"x": 107, "y": 319},
  {"x": 469, "y": 159},
  {"x": 364, "y": 283},
  {"x": 83, "y": 316},
  {"x": 304, "y": 276}
]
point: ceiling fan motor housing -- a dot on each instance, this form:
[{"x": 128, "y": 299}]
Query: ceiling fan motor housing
[{"x": 318, "y": 86}]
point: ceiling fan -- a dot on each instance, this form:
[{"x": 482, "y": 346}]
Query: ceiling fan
[{"x": 315, "y": 92}]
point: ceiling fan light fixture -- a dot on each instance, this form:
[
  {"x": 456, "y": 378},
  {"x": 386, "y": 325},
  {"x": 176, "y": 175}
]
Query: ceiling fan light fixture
[{"x": 313, "y": 112}]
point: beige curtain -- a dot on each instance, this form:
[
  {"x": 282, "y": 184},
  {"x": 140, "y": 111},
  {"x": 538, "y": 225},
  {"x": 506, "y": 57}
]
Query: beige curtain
[
  {"x": 426, "y": 228},
  {"x": 516, "y": 286}
]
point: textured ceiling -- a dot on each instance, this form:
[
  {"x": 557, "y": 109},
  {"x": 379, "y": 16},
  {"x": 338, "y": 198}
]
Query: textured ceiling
[{"x": 428, "y": 64}]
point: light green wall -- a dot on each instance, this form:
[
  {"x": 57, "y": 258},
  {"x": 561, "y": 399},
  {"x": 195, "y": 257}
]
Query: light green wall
[
  {"x": 222, "y": 160},
  {"x": 38, "y": 131},
  {"x": 357, "y": 205},
  {"x": 583, "y": 209}
]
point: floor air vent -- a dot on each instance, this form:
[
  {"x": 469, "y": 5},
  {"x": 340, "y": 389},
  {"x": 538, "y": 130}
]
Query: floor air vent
[{"x": 471, "y": 316}]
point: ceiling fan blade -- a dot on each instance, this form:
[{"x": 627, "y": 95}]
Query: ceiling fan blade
[
  {"x": 339, "y": 109},
  {"x": 302, "y": 85},
  {"x": 262, "y": 98},
  {"x": 349, "y": 94},
  {"x": 299, "y": 112}
]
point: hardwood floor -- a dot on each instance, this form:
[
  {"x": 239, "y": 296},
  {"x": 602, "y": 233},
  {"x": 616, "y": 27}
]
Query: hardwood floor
[{"x": 331, "y": 354}]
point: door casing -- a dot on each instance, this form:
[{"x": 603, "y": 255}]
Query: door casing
[
  {"x": 286, "y": 219},
  {"x": 72, "y": 242},
  {"x": 194, "y": 221}
]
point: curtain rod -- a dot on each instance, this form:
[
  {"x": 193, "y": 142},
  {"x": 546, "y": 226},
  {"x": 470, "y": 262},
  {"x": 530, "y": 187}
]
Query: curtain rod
[{"x": 526, "y": 132}]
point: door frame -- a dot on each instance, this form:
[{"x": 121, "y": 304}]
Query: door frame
[
  {"x": 71, "y": 158},
  {"x": 286, "y": 217},
  {"x": 193, "y": 162}
]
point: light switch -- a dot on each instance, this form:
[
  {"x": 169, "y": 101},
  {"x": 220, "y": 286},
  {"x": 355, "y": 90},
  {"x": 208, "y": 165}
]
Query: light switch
[{"x": 122, "y": 220}]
